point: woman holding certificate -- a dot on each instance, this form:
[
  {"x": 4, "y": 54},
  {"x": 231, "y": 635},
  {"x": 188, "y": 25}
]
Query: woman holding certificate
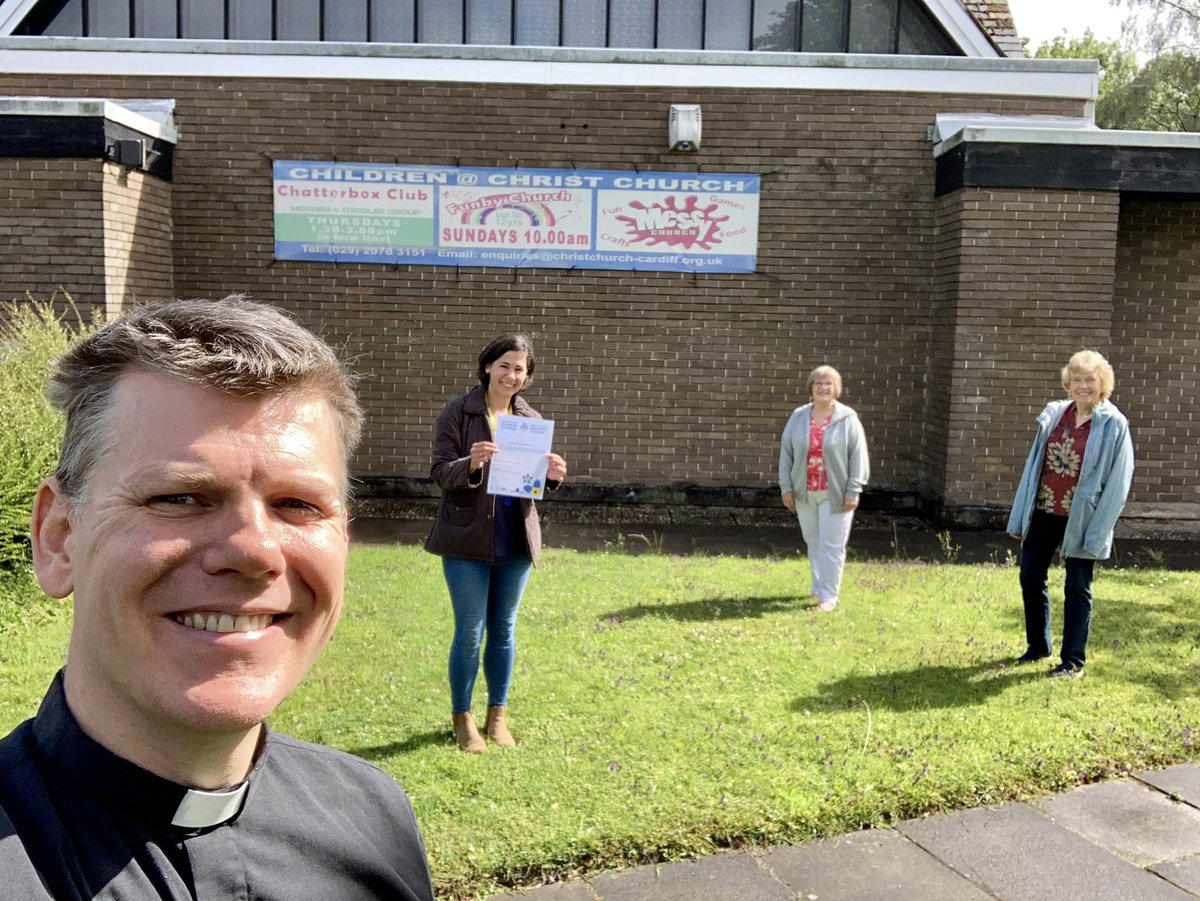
[{"x": 488, "y": 542}]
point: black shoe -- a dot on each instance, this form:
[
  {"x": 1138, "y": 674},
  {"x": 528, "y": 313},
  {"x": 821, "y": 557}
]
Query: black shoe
[
  {"x": 1029, "y": 657},
  {"x": 1066, "y": 670}
]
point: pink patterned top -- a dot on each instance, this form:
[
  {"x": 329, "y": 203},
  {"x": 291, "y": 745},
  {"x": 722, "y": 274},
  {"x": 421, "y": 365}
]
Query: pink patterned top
[
  {"x": 1061, "y": 465},
  {"x": 817, "y": 479}
]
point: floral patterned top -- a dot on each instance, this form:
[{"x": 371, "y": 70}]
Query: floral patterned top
[
  {"x": 817, "y": 479},
  {"x": 1061, "y": 465}
]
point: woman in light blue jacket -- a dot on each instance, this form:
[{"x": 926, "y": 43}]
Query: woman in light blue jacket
[
  {"x": 1074, "y": 487},
  {"x": 823, "y": 469}
]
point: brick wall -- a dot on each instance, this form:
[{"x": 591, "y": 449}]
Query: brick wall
[
  {"x": 51, "y": 232},
  {"x": 1024, "y": 279},
  {"x": 138, "y": 262},
  {"x": 1156, "y": 349},
  {"x": 665, "y": 378}
]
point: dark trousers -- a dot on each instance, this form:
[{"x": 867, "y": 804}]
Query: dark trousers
[{"x": 1043, "y": 539}]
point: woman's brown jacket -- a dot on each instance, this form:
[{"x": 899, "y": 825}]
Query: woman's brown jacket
[{"x": 463, "y": 527}]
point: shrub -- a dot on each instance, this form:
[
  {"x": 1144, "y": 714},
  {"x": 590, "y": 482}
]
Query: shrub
[{"x": 31, "y": 336}]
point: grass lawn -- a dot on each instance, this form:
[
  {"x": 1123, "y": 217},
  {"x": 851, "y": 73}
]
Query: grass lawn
[{"x": 671, "y": 706}]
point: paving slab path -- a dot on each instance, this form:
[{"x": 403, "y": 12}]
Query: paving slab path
[{"x": 1135, "y": 839}]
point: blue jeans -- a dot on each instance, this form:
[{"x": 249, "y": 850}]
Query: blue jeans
[
  {"x": 484, "y": 596},
  {"x": 1037, "y": 550}
]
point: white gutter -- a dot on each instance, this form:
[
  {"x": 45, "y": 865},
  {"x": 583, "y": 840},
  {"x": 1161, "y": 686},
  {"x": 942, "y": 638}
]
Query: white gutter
[
  {"x": 154, "y": 119},
  {"x": 951, "y": 131},
  {"x": 1069, "y": 79}
]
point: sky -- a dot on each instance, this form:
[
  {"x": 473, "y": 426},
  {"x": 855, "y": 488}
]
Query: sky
[{"x": 1044, "y": 20}]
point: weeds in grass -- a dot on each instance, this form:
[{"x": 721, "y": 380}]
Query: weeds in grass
[
  {"x": 949, "y": 548},
  {"x": 654, "y": 541}
]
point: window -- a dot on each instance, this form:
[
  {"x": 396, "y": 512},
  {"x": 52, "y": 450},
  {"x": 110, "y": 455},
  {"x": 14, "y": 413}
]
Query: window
[
  {"x": 631, "y": 23},
  {"x": 873, "y": 26},
  {"x": 813, "y": 26},
  {"x": 537, "y": 23},
  {"x": 681, "y": 23},
  {"x": 489, "y": 22}
]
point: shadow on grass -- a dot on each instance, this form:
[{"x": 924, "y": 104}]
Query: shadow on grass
[
  {"x": 922, "y": 687},
  {"x": 414, "y": 742},
  {"x": 1169, "y": 628},
  {"x": 711, "y": 609}
]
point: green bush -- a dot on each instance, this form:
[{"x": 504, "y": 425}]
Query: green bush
[{"x": 31, "y": 336}]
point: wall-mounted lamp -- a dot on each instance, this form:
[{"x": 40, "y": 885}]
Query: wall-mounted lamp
[
  {"x": 683, "y": 130},
  {"x": 128, "y": 152}
]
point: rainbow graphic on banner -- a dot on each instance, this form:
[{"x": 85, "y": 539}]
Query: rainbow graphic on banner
[{"x": 535, "y": 214}]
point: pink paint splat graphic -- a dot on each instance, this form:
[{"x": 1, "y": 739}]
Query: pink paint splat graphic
[{"x": 690, "y": 226}]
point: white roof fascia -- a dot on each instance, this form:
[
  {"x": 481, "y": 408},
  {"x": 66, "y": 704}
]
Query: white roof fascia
[
  {"x": 1087, "y": 137},
  {"x": 962, "y": 28},
  {"x": 1068, "y": 79},
  {"x": 162, "y": 126},
  {"x": 13, "y": 13}
]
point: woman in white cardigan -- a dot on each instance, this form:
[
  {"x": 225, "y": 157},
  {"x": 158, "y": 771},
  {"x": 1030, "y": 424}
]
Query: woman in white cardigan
[{"x": 823, "y": 468}]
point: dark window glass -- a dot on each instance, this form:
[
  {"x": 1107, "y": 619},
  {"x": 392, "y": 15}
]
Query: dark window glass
[
  {"x": 727, "y": 25},
  {"x": 872, "y": 26},
  {"x": 250, "y": 20},
  {"x": 814, "y": 26},
  {"x": 393, "y": 21},
  {"x": 61, "y": 19},
  {"x": 920, "y": 35},
  {"x": 153, "y": 20},
  {"x": 440, "y": 22},
  {"x": 537, "y": 23},
  {"x": 631, "y": 23},
  {"x": 823, "y": 26},
  {"x": 489, "y": 21},
  {"x": 345, "y": 20},
  {"x": 109, "y": 18},
  {"x": 679, "y": 24},
  {"x": 775, "y": 25},
  {"x": 584, "y": 24},
  {"x": 299, "y": 21},
  {"x": 201, "y": 19}
]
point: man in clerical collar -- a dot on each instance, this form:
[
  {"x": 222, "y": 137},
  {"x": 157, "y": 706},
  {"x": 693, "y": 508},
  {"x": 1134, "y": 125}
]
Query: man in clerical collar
[{"x": 198, "y": 516}]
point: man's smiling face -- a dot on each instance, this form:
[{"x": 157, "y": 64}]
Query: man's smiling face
[{"x": 206, "y": 557}]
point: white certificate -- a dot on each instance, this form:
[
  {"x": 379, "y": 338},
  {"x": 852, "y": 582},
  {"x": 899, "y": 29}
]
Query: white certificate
[{"x": 519, "y": 468}]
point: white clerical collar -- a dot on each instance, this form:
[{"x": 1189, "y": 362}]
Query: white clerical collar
[{"x": 201, "y": 809}]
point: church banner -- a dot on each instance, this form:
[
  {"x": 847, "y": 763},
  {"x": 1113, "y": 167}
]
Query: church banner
[{"x": 515, "y": 218}]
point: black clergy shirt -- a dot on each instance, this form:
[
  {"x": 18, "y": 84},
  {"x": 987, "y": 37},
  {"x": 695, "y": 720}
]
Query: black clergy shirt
[{"x": 78, "y": 822}]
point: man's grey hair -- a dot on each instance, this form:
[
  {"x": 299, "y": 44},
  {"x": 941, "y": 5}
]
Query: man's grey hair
[{"x": 232, "y": 345}]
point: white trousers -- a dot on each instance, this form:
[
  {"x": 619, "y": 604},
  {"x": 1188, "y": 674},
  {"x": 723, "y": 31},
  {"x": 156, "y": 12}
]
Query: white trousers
[{"x": 825, "y": 532}]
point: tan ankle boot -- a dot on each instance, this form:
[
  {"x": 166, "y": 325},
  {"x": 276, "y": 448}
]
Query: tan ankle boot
[
  {"x": 467, "y": 733},
  {"x": 497, "y": 729}
]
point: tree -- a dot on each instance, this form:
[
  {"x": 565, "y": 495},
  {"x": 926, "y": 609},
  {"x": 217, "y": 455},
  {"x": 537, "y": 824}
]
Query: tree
[
  {"x": 1118, "y": 69},
  {"x": 1163, "y": 94},
  {"x": 1162, "y": 26}
]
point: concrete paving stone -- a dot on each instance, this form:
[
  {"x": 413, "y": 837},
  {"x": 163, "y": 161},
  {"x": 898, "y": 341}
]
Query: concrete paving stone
[
  {"x": 868, "y": 866},
  {"x": 730, "y": 876},
  {"x": 1182, "y": 780},
  {"x": 575, "y": 890},
  {"x": 1135, "y": 822},
  {"x": 1184, "y": 873},
  {"x": 1018, "y": 854}
]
